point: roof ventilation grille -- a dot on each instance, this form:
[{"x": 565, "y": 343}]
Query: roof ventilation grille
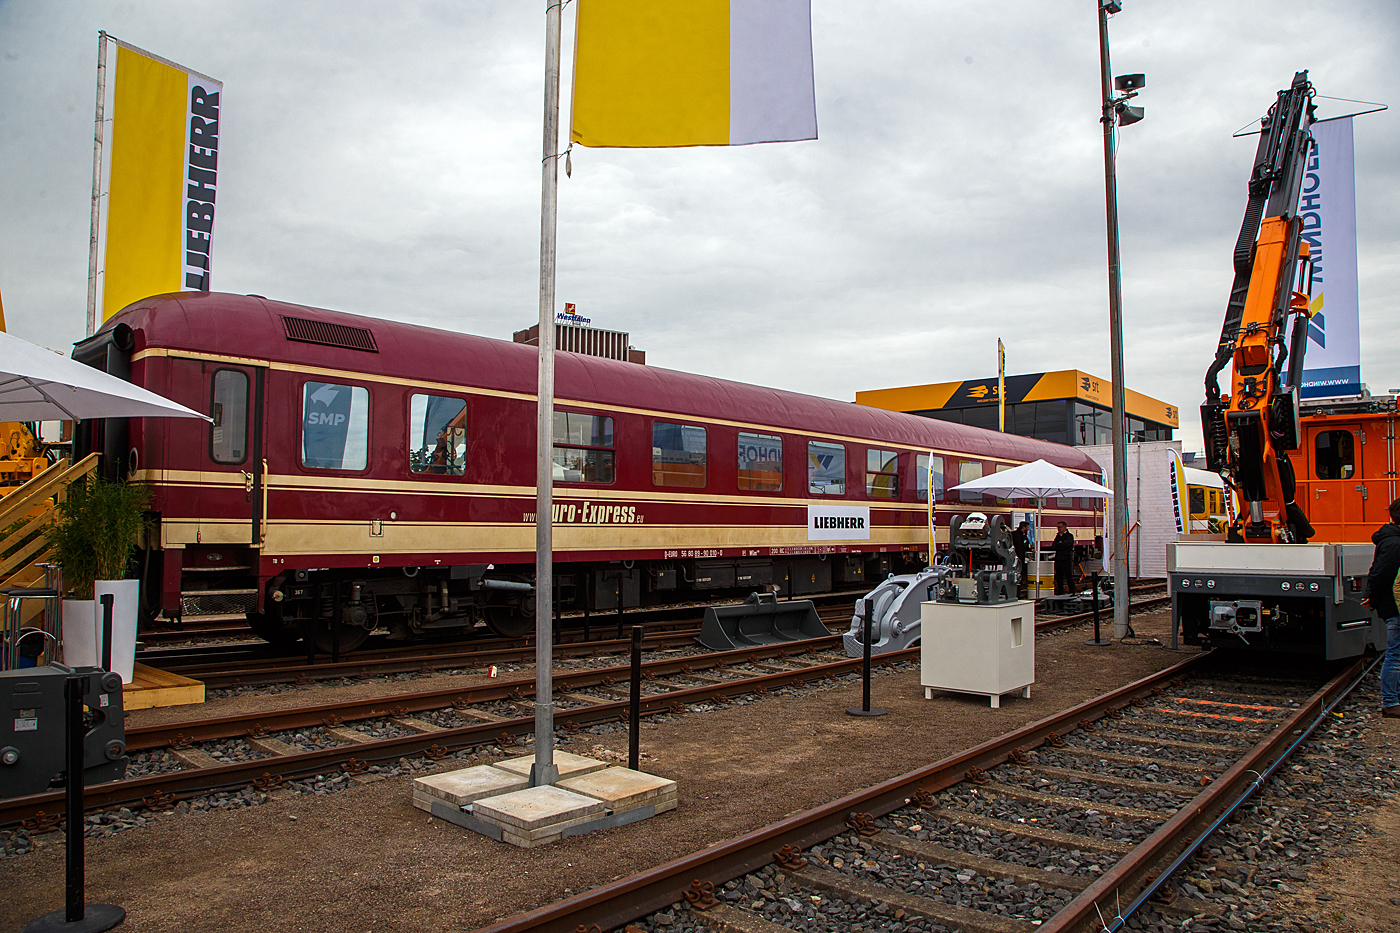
[{"x": 329, "y": 335}]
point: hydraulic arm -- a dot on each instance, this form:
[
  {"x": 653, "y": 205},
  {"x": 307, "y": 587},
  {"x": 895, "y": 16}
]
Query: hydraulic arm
[{"x": 1249, "y": 433}]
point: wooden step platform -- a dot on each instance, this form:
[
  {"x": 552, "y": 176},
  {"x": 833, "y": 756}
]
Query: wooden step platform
[{"x": 151, "y": 688}]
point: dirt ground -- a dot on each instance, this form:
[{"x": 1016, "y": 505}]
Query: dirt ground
[
  {"x": 1361, "y": 894},
  {"x": 366, "y": 859}
]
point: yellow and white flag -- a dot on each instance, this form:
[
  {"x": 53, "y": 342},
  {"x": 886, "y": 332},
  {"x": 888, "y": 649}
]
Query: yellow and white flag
[
  {"x": 663, "y": 73},
  {"x": 162, "y": 175}
]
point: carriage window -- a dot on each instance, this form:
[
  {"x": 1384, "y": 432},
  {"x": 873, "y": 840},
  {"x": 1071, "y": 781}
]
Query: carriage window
[
  {"x": 922, "y": 474},
  {"x": 881, "y": 474},
  {"x": 826, "y": 469},
  {"x": 1334, "y": 455},
  {"x": 760, "y": 462},
  {"x": 921, "y": 477},
  {"x": 437, "y": 435},
  {"x": 969, "y": 470},
  {"x": 1197, "y": 497},
  {"x": 228, "y": 442},
  {"x": 677, "y": 454},
  {"x": 583, "y": 448},
  {"x": 334, "y": 426}
]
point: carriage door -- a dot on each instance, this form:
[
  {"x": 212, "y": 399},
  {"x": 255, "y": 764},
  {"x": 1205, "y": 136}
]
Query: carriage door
[
  {"x": 1338, "y": 494},
  {"x": 233, "y": 497}
]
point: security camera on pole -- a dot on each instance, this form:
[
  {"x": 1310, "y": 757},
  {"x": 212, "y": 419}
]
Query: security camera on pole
[{"x": 1116, "y": 112}]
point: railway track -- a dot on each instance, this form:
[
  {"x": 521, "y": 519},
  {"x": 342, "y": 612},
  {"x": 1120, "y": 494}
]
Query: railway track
[
  {"x": 1070, "y": 823},
  {"x": 238, "y": 666},
  {"x": 438, "y": 723},
  {"x": 349, "y": 736}
]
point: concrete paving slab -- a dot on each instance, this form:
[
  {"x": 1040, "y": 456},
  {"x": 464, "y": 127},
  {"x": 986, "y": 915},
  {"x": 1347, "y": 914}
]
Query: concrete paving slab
[
  {"x": 568, "y": 764},
  {"x": 622, "y": 788},
  {"x": 469, "y": 784},
  {"x": 536, "y": 808}
]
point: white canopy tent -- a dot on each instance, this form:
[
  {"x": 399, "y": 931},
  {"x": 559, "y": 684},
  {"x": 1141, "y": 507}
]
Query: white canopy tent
[
  {"x": 1038, "y": 480},
  {"x": 39, "y": 385}
]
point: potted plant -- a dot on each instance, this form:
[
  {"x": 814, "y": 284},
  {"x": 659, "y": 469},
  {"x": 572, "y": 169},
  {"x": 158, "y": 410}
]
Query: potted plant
[{"x": 94, "y": 529}]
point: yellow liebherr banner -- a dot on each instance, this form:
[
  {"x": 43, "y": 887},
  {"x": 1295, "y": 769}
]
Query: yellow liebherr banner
[{"x": 161, "y": 180}]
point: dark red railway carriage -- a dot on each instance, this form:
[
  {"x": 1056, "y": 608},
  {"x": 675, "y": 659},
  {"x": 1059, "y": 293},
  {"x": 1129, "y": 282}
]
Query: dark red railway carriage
[{"x": 364, "y": 473}]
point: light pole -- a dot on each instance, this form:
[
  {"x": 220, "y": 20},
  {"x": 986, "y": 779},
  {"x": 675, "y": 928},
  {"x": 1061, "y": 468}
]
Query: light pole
[{"x": 1116, "y": 112}]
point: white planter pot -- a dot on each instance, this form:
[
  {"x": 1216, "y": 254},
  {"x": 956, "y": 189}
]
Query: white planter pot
[
  {"x": 79, "y": 633},
  {"x": 126, "y": 607}
]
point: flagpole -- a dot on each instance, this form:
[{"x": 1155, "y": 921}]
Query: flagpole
[
  {"x": 97, "y": 134},
  {"x": 544, "y": 771}
]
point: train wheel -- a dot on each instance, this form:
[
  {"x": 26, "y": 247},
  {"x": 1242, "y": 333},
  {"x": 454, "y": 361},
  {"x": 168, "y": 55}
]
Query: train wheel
[
  {"x": 271, "y": 630},
  {"x": 509, "y": 621}
]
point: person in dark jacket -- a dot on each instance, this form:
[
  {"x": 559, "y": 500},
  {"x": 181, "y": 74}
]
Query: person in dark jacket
[
  {"x": 1380, "y": 596},
  {"x": 1063, "y": 546}
]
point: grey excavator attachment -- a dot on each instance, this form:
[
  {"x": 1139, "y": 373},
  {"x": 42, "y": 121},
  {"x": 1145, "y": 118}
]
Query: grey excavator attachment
[
  {"x": 760, "y": 620},
  {"x": 897, "y": 612}
]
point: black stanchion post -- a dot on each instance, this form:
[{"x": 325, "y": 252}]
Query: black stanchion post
[
  {"x": 77, "y": 916},
  {"x": 107, "y": 600},
  {"x": 1098, "y": 641},
  {"x": 73, "y": 689},
  {"x": 867, "y": 611},
  {"x": 634, "y": 713}
]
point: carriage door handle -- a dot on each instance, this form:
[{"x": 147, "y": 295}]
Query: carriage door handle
[
  {"x": 247, "y": 482},
  {"x": 1362, "y": 489}
]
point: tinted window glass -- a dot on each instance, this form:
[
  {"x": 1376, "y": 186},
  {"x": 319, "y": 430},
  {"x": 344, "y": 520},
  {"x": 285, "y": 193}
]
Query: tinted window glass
[
  {"x": 969, "y": 470},
  {"x": 1197, "y": 498},
  {"x": 583, "y": 448},
  {"x": 677, "y": 454},
  {"x": 437, "y": 435},
  {"x": 1333, "y": 455},
  {"x": 881, "y": 474},
  {"x": 826, "y": 469},
  {"x": 921, "y": 463},
  {"x": 760, "y": 462},
  {"x": 229, "y": 441},
  {"x": 334, "y": 426}
]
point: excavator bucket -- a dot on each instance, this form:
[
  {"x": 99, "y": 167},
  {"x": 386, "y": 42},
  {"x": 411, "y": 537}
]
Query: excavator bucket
[{"x": 760, "y": 620}]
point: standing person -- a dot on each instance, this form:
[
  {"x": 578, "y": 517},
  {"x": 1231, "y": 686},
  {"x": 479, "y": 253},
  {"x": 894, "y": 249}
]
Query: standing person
[
  {"x": 1380, "y": 596},
  {"x": 1021, "y": 543},
  {"x": 1063, "y": 546}
]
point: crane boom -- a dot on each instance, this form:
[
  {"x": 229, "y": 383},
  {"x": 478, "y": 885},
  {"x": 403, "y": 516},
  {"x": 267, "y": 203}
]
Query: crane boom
[{"x": 1249, "y": 433}]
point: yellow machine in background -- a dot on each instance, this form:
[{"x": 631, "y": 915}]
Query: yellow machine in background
[{"x": 21, "y": 454}]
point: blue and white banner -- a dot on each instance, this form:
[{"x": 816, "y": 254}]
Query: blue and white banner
[{"x": 1327, "y": 206}]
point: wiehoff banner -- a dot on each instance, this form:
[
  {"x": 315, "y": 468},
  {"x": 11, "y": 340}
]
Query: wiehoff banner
[
  {"x": 162, "y": 178},
  {"x": 1327, "y": 206}
]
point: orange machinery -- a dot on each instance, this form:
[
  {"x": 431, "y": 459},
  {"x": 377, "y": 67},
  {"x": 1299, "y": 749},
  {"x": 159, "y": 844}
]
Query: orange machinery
[
  {"x": 1347, "y": 470},
  {"x": 1266, "y": 588}
]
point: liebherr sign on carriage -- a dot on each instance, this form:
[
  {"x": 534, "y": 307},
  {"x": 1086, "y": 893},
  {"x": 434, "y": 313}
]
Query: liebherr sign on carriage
[{"x": 1327, "y": 206}]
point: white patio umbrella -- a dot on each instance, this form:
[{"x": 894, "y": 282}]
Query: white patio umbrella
[
  {"x": 39, "y": 385},
  {"x": 1037, "y": 480}
]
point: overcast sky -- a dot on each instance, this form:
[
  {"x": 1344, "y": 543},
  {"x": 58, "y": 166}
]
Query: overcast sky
[{"x": 384, "y": 160}]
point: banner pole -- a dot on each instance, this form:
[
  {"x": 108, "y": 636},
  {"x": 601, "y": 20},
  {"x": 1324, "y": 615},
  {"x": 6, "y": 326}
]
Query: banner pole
[
  {"x": 97, "y": 134},
  {"x": 544, "y": 771}
]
